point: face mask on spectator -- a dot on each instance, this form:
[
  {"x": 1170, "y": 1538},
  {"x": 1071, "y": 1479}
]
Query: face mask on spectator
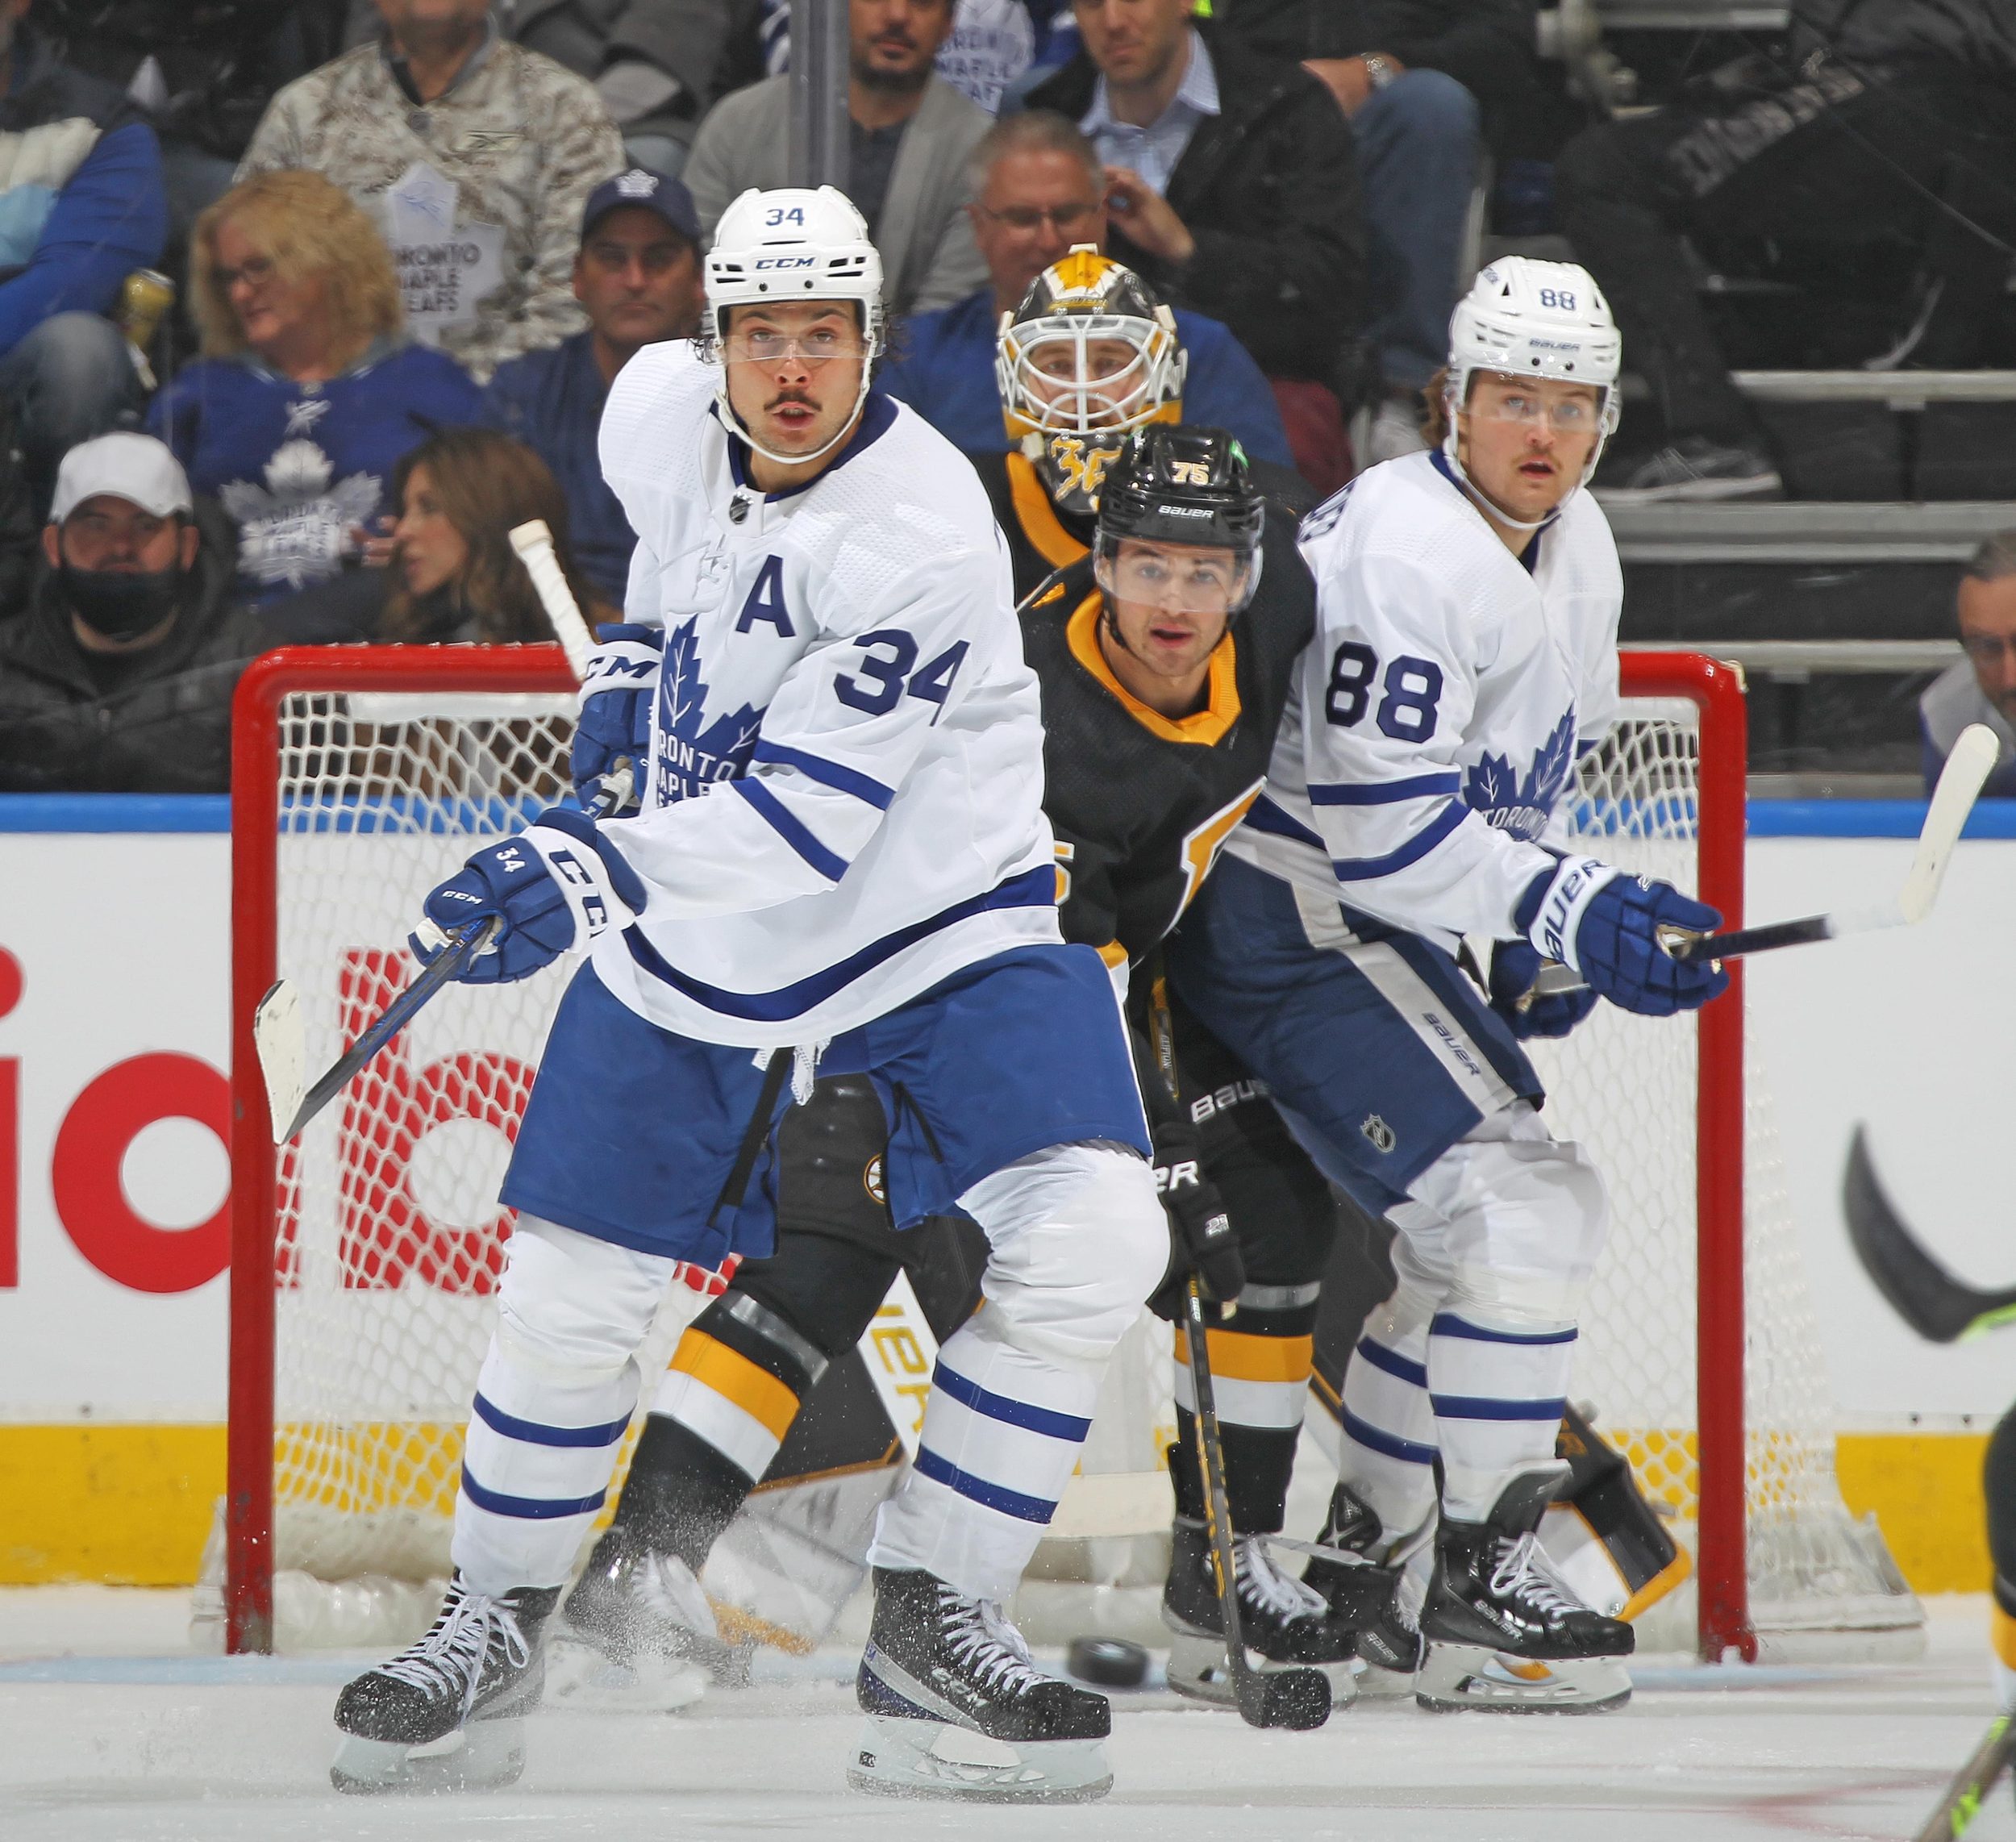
[{"x": 122, "y": 604}]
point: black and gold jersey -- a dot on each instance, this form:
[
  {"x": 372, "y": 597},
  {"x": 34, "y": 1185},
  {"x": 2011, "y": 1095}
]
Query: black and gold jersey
[{"x": 1139, "y": 802}]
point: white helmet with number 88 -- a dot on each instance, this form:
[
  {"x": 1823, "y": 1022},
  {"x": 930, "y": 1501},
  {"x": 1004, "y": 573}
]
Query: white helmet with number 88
[
  {"x": 1529, "y": 318},
  {"x": 792, "y": 245}
]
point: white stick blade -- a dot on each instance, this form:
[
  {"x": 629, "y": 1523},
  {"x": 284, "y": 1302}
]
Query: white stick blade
[
  {"x": 1971, "y": 762},
  {"x": 281, "y": 1039}
]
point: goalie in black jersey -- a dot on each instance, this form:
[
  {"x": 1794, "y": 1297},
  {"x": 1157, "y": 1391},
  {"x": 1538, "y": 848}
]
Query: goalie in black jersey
[{"x": 1164, "y": 656}]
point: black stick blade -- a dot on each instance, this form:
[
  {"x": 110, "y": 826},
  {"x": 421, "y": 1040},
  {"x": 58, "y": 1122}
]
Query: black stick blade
[
  {"x": 1296, "y": 1699},
  {"x": 1937, "y": 1306}
]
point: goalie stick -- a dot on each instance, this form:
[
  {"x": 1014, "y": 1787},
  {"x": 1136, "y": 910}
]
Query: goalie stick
[
  {"x": 1299, "y": 1698},
  {"x": 1976, "y": 1779},
  {"x": 1937, "y": 1306},
  {"x": 1960, "y": 785}
]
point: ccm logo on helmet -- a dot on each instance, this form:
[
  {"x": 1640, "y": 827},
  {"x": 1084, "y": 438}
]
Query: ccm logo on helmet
[{"x": 785, "y": 262}]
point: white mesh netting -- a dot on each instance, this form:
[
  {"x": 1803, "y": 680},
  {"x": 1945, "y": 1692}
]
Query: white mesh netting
[
  {"x": 389, "y": 1238},
  {"x": 1624, "y": 1087}
]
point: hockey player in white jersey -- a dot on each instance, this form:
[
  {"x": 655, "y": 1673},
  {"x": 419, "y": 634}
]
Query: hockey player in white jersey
[
  {"x": 1465, "y": 658},
  {"x": 840, "y": 863}
]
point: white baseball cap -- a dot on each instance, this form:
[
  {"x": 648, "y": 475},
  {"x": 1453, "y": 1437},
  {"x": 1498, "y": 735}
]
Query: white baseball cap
[{"x": 135, "y": 468}]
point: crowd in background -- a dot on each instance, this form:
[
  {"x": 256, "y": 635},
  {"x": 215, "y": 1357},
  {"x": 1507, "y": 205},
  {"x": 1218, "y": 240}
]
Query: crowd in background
[{"x": 412, "y": 242}]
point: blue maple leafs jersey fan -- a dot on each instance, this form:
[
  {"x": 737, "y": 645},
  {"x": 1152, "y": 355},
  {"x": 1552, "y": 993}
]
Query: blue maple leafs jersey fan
[{"x": 1402, "y": 779}]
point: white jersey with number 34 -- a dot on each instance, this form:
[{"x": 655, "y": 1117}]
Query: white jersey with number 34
[
  {"x": 844, "y": 797},
  {"x": 1441, "y": 709}
]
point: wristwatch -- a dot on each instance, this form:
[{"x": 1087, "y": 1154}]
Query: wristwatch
[{"x": 1378, "y": 68}]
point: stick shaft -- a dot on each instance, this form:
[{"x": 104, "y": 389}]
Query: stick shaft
[
  {"x": 1976, "y": 1779},
  {"x": 534, "y": 543},
  {"x": 397, "y": 1014},
  {"x": 1764, "y": 939}
]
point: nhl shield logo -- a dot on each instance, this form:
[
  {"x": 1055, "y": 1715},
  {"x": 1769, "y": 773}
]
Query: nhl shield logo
[{"x": 1381, "y": 1135}]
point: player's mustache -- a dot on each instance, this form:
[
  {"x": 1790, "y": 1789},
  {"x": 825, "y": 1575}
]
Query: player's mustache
[{"x": 795, "y": 397}]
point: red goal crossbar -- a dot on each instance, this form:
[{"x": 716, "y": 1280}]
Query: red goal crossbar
[{"x": 1714, "y": 689}]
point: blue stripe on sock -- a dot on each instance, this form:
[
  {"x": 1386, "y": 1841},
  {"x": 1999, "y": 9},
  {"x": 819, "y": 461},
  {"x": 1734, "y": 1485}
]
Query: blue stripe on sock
[
  {"x": 1390, "y": 1444},
  {"x": 1396, "y": 1365},
  {"x": 1447, "y": 1324},
  {"x": 534, "y": 1432},
  {"x": 530, "y": 1509},
  {"x": 1482, "y": 1407},
  {"x": 991, "y": 1496},
  {"x": 1010, "y": 1412}
]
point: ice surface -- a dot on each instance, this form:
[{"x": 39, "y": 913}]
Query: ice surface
[{"x": 110, "y": 1731}]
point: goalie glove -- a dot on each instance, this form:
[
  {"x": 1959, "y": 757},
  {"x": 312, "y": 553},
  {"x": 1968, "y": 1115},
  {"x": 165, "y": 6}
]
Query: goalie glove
[
  {"x": 1606, "y": 925},
  {"x": 614, "y": 725},
  {"x": 557, "y": 885},
  {"x": 1200, "y": 1231}
]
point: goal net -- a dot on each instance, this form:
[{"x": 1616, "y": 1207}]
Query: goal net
[{"x": 366, "y": 1254}]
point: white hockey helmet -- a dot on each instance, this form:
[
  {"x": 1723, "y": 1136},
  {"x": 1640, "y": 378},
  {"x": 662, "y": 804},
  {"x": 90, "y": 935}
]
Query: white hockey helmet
[
  {"x": 1531, "y": 318},
  {"x": 794, "y": 243}
]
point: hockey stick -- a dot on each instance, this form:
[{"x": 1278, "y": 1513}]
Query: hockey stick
[
  {"x": 277, "y": 1031},
  {"x": 534, "y": 543},
  {"x": 280, "y": 1035},
  {"x": 1937, "y": 1306},
  {"x": 1960, "y": 785},
  {"x": 1976, "y": 1779},
  {"x": 1299, "y": 1698}
]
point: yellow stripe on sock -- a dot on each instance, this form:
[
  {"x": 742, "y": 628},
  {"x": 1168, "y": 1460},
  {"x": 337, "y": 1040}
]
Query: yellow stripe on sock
[
  {"x": 734, "y": 1377},
  {"x": 1239, "y": 1356}
]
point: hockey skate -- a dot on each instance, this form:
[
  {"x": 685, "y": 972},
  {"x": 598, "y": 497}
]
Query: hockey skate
[
  {"x": 636, "y": 1632},
  {"x": 447, "y": 1714},
  {"x": 956, "y": 1709},
  {"x": 1503, "y": 1631},
  {"x": 1372, "y": 1590},
  {"x": 1285, "y": 1623}
]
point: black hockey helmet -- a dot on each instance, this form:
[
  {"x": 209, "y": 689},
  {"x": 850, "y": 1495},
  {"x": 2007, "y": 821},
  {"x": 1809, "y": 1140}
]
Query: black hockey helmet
[{"x": 1187, "y": 485}]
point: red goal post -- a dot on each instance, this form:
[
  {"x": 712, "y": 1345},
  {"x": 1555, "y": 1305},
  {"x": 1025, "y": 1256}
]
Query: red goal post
[{"x": 1715, "y": 690}]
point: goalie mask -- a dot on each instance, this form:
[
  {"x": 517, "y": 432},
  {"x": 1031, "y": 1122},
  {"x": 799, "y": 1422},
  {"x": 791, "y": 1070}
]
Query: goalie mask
[
  {"x": 1180, "y": 526},
  {"x": 1089, "y": 355}
]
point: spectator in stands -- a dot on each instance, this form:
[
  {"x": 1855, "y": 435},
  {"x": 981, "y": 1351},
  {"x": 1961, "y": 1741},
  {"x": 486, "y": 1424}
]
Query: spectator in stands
[
  {"x": 909, "y": 135},
  {"x": 307, "y": 394},
  {"x": 1981, "y": 687},
  {"x": 119, "y": 677},
  {"x": 1409, "y": 75},
  {"x": 453, "y": 576},
  {"x": 652, "y": 62},
  {"x": 20, "y": 534},
  {"x": 81, "y": 206},
  {"x": 638, "y": 276},
  {"x": 1039, "y": 188},
  {"x": 1877, "y": 122},
  {"x": 476, "y": 154},
  {"x": 1233, "y": 191}
]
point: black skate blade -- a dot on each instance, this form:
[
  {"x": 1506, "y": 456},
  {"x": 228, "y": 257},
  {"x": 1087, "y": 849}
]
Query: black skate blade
[{"x": 1296, "y": 1699}]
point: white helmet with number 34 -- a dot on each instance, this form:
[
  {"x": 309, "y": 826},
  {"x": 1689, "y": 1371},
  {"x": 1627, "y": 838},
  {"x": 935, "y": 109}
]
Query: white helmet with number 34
[
  {"x": 792, "y": 245},
  {"x": 1529, "y": 318}
]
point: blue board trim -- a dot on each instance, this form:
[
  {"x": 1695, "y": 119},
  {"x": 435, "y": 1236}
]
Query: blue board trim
[{"x": 84, "y": 813}]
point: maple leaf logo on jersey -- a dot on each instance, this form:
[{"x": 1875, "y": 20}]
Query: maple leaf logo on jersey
[
  {"x": 691, "y": 758},
  {"x": 295, "y": 528},
  {"x": 1522, "y": 805}
]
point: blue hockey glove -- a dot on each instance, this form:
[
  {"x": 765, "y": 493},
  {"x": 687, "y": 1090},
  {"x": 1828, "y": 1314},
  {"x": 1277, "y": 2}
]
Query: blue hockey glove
[
  {"x": 557, "y": 884},
  {"x": 617, "y": 688},
  {"x": 1605, "y": 924},
  {"x": 1515, "y": 965}
]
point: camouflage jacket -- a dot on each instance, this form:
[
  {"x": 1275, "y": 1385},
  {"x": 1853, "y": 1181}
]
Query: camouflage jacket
[{"x": 479, "y": 192}]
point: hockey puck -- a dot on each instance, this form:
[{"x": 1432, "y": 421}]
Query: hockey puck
[{"x": 1107, "y": 1662}]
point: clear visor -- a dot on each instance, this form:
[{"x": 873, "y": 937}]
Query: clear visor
[
  {"x": 1179, "y": 577},
  {"x": 1085, "y": 373}
]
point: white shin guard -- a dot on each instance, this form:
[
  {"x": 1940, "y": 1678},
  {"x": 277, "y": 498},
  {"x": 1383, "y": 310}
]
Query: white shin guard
[
  {"x": 1077, "y": 1240},
  {"x": 553, "y": 1401}
]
